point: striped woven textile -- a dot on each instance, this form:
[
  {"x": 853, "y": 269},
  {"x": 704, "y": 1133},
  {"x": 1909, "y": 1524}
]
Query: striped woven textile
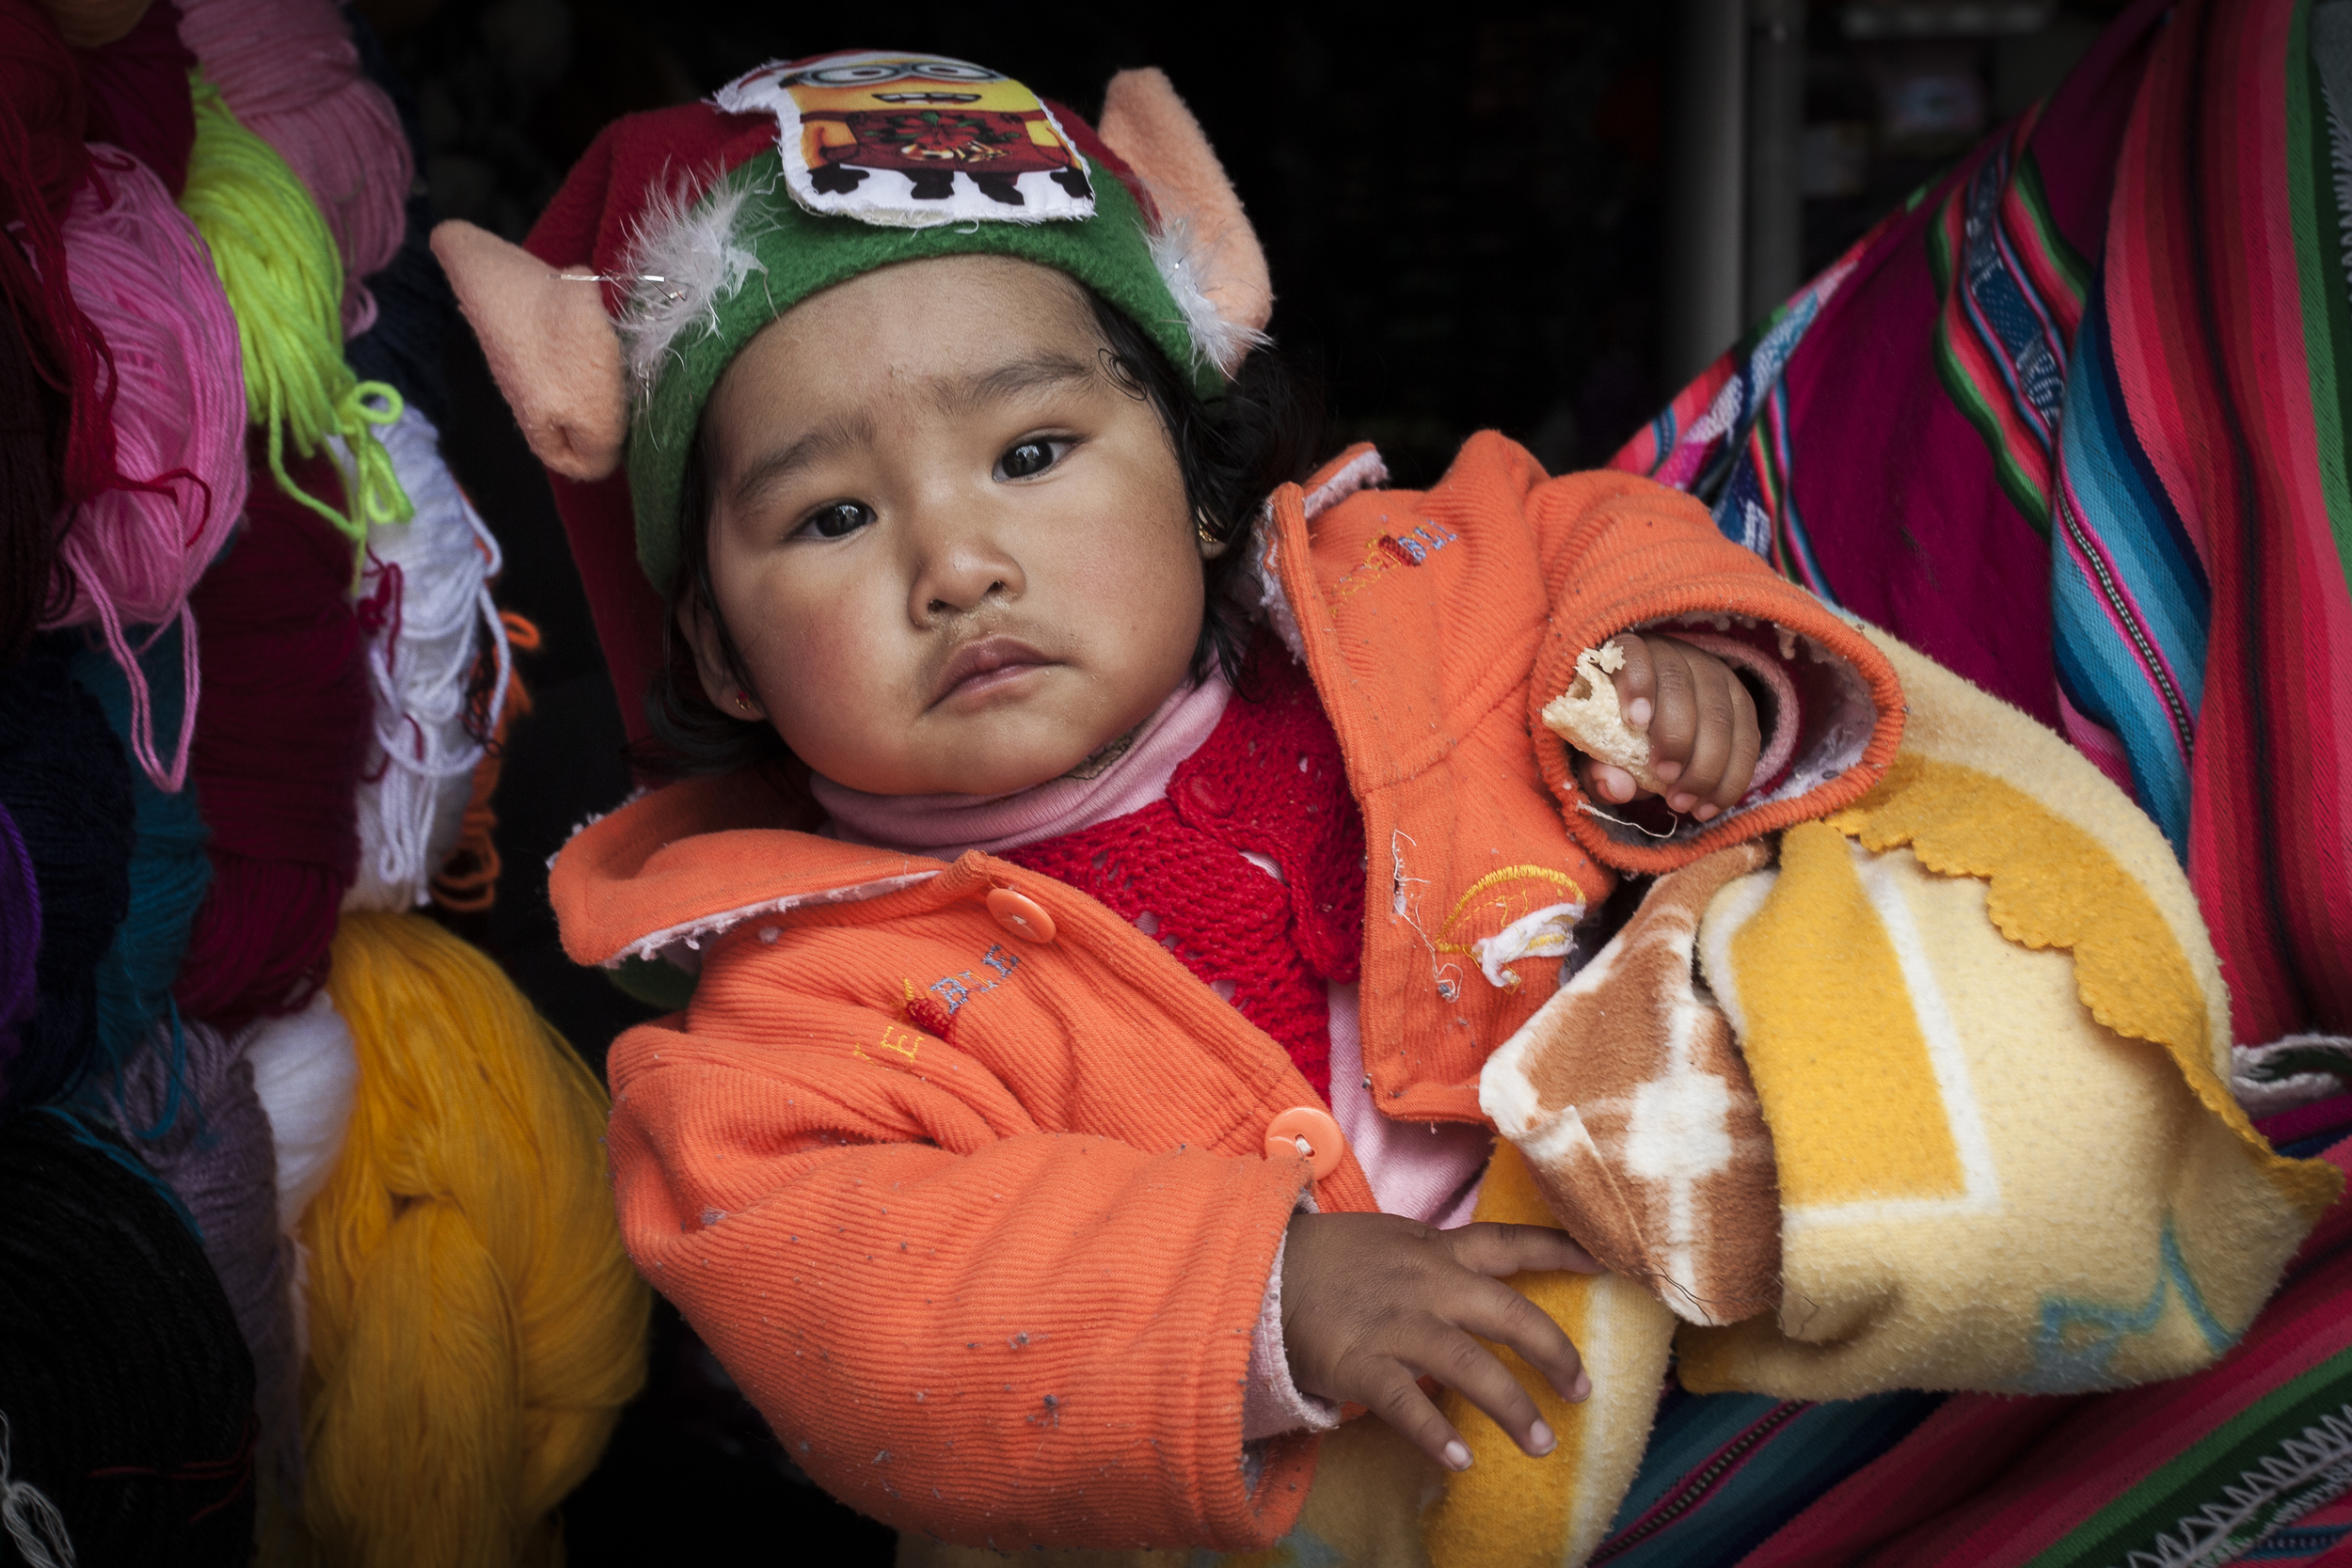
[{"x": 2074, "y": 422}]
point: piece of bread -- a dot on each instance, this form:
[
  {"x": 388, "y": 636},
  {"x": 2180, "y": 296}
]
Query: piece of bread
[{"x": 1586, "y": 716}]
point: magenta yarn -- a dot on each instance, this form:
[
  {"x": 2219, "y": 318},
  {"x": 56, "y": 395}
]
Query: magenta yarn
[
  {"x": 289, "y": 71},
  {"x": 143, "y": 275}
]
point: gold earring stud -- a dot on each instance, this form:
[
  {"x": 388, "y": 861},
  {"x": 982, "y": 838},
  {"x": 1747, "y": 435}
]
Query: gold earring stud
[
  {"x": 743, "y": 699},
  {"x": 1213, "y": 540}
]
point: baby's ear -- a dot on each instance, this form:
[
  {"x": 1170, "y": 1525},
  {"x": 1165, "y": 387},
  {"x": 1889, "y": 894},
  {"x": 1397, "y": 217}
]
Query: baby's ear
[
  {"x": 550, "y": 344},
  {"x": 1148, "y": 125}
]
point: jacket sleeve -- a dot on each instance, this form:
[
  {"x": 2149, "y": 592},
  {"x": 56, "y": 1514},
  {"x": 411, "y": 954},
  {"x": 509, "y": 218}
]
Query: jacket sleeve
[
  {"x": 1621, "y": 553},
  {"x": 959, "y": 1323}
]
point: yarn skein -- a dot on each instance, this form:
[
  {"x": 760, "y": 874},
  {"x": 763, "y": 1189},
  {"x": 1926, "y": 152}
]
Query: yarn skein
[
  {"x": 283, "y": 280},
  {"x": 289, "y": 72},
  {"x": 425, "y": 598},
  {"x": 189, "y": 1109},
  {"x": 276, "y": 759},
  {"x": 475, "y": 1326},
  {"x": 32, "y": 1520},
  {"x": 67, "y": 789},
  {"x": 306, "y": 1074},
  {"x": 128, "y": 1388},
  {"x": 138, "y": 94},
  {"x": 170, "y": 870},
  {"x": 29, "y": 490},
  {"x": 43, "y": 119},
  {"x": 143, "y": 275},
  {"x": 467, "y": 881}
]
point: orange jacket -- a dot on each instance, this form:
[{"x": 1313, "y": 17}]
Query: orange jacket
[{"x": 1000, "y": 1287}]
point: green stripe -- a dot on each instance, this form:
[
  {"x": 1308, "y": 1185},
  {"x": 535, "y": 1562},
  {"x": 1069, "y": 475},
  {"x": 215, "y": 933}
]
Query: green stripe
[
  {"x": 2319, "y": 266},
  {"x": 2199, "y": 1474},
  {"x": 1946, "y": 233},
  {"x": 2073, "y": 269}
]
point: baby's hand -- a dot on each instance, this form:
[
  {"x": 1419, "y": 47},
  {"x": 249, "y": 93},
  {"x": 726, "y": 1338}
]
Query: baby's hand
[
  {"x": 1704, "y": 738},
  {"x": 1372, "y": 1302}
]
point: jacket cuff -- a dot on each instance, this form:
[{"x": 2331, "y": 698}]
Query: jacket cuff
[{"x": 1272, "y": 1403}]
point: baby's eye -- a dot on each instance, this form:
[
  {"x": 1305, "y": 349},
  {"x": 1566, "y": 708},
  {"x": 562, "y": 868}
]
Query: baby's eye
[
  {"x": 839, "y": 519},
  {"x": 1023, "y": 458}
]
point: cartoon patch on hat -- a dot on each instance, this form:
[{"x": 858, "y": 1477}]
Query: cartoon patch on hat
[{"x": 915, "y": 140}]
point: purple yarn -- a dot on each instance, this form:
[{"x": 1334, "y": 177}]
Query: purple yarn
[
  {"x": 186, "y": 1104},
  {"x": 20, "y": 936}
]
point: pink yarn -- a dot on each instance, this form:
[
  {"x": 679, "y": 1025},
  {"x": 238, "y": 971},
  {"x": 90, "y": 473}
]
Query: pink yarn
[
  {"x": 289, "y": 71},
  {"x": 144, "y": 278}
]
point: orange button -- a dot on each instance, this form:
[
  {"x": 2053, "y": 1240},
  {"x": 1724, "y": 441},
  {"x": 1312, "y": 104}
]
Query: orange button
[
  {"x": 1019, "y": 915},
  {"x": 1307, "y": 1129}
]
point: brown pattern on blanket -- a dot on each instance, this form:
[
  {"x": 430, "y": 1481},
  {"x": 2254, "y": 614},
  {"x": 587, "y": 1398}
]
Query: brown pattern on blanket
[{"x": 1628, "y": 1095}]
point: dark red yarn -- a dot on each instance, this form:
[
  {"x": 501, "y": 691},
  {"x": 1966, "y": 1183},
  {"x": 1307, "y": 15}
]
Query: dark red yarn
[
  {"x": 1268, "y": 780},
  {"x": 279, "y": 739},
  {"x": 138, "y": 94},
  {"x": 29, "y": 490},
  {"x": 44, "y": 115}
]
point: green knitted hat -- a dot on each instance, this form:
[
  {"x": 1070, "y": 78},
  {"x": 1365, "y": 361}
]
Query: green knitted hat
[{"x": 877, "y": 158}]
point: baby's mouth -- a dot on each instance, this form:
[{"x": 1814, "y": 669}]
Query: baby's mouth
[
  {"x": 927, "y": 97},
  {"x": 988, "y": 662}
]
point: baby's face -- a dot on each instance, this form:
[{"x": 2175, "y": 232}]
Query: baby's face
[{"x": 954, "y": 552}]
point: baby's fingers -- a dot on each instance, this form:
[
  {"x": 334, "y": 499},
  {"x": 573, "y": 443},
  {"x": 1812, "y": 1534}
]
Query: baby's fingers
[
  {"x": 1397, "y": 1399},
  {"x": 1636, "y": 681},
  {"x": 1471, "y": 1370}
]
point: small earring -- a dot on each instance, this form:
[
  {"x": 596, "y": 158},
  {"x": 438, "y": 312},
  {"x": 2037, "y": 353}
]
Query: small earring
[
  {"x": 1213, "y": 540},
  {"x": 743, "y": 699}
]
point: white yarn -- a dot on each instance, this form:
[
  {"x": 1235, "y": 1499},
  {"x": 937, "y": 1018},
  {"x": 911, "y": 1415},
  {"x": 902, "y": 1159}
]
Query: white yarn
[
  {"x": 33, "y": 1521},
  {"x": 306, "y": 1074},
  {"x": 432, "y": 575}
]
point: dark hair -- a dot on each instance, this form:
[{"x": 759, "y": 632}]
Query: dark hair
[{"x": 1233, "y": 452}]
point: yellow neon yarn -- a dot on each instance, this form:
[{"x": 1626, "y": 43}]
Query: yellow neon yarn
[
  {"x": 285, "y": 283},
  {"x": 474, "y": 1324}
]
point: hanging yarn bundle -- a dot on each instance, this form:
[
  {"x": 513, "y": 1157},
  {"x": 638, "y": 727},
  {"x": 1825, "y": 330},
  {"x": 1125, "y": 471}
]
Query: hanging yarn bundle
[
  {"x": 467, "y": 881},
  {"x": 44, "y": 118},
  {"x": 67, "y": 789},
  {"x": 138, "y": 94},
  {"x": 143, "y": 275},
  {"x": 278, "y": 266},
  {"x": 125, "y": 1385},
  {"x": 425, "y": 598},
  {"x": 289, "y": 72},
  {"x": 29, "y": 490},
  {"x": 188, "y": 1109},
  {"x": 474, "y": 1324},
  {"x": 276, "y": 759},
  {"x": 306, "y": 1073},
  {"x": 170, "y": 870}
]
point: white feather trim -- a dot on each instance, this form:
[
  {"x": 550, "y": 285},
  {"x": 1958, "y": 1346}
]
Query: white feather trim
[
  {"x": 1186, "y": 270},
  {"x": 685, "y": 258}
]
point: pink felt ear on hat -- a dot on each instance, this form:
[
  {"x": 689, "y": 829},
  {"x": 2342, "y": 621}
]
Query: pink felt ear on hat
[
  {"x": 550, "y": 346},
  {"x": 1205, "y": 247}
]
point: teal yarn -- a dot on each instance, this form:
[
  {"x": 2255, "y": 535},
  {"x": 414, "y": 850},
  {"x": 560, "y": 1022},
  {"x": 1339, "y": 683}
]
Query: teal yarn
[{"x": 170, "y": 870}]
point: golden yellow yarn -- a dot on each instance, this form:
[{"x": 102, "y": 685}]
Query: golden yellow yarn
[{"x": 474, "y": 1324}]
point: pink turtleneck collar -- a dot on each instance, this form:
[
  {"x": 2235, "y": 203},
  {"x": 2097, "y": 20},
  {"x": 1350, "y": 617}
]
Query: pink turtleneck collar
[{"x": 945, "y": 825}]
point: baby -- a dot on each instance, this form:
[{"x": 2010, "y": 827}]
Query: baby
[{"x": 1113, "y": 849}]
